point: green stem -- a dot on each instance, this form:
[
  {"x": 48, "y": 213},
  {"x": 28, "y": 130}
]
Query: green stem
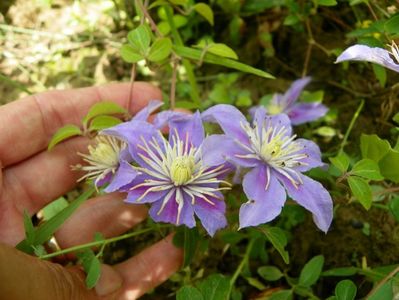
[
  {"x": 96, "y": 243},
  {"x": 242, "y": 264},
  {"x": 348, "y": 131},
  {"x": 186, "y": 63}
]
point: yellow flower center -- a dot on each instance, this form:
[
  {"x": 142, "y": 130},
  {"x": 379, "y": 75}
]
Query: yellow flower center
[
  {"x": 182, "y": 169},
  {"x": 270, "y": 150},
  {"x": 103, "y": 152},
  {"x": 274, "y": 109}
]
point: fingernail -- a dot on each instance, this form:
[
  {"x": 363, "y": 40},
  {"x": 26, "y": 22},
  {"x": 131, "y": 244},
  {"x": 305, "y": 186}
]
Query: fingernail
[{"x": 109, "y": 281}]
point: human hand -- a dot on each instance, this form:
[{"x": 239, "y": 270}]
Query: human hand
[{"x": 31, "y": 177}]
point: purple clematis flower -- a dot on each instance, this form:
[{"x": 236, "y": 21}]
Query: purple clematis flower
[
  {"x": 276, "y": 160},
  {"x": 298, "y": 113},
  {"x": 108, "y": 160},
  {"x": 385, "y": 58},
  {"x": 174, "y": 175}
]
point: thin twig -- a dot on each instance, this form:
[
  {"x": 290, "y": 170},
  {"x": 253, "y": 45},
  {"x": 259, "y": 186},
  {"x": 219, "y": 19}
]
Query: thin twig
[
  {"x": 348, "y": 131},
  {"x": 131, "y": 87},
  {"x": 309, "y": 49},
  {"x": 173, "y": 84},
  {"x": 144, "y": 10}
]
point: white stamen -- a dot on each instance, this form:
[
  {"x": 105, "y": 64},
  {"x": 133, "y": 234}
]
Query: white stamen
[{"x": 394, "y": 51}]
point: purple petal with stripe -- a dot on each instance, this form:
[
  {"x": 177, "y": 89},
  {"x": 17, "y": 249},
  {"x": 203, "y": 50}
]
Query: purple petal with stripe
[
  {"x": 306, "y": 112},
  {"x": 187, "y": 126},
  {"x": 143, "y": 114},
  {"x": 123, "y": 176},
  {"x": 266, "y": 197}
]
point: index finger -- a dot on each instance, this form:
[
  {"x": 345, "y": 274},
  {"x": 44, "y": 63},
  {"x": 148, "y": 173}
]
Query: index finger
[{"x": 27, "y": 125}]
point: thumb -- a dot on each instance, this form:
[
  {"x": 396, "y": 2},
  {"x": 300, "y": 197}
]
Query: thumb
[{"x": 26, "y": 277}]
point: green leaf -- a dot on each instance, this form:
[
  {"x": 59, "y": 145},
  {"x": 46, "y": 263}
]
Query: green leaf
[
  {"x": 341, "y": 161},
  {"x": 160, "y": 50},
  {"x": 270, "y": 273},
  {"x": 53, "y": 208},
  {"x": 102, "y": 122},
  {"x": 373, "y": 147},
  {"x": 214, "y": 287},
  {"x": 392, "y": 25},
  {"x": 178, "y": 2},
  {"x": 277, "y": 237},
  {"x": 345, "y": 290},
  {"x": 196, "y": 54},
  {"x": 281, "y": 295},
  {"x": 361, "y": 190},
  {"x": 191, "y": 237},
  {"x": 221, "y": 50},
  {"x": 187, "y": 104},
  {"x": 380, "y": 73},
  {"x": 344, "y": 271},
  {"x": 255, "y": 283},
  {"x": 130, "y": 55},
  {"x": 204, "y": 10},
  {"x": 29, "y": 229},
  {"x": 311, "y": 271},
  {"x": 384, "y": 292},
  {"x": 244, "y": 98},
  {"x": 64, "y": 133},
  {"x": 368, "y": 169},
  {"x": 394, "y": 208},
  {"x": 327, "y": 2},
  {"x": 140, "y": 38},
  {"x": 396, "y": 118},
  {"x": 189, "y": 292},
  {"x": 103, "y": 108},
  {"x": 389, "y": 166},
  {"x": 47, "y": 229},
  {"x": 93, "y": 273}
]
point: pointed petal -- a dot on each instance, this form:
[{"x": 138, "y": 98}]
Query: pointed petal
[
  {"x": 314, "y": 197},
  {"x": 169, "y": 212},
  {"x": 211, "y": 216},
  {"x": 278, "y": 121},
  {"x": 143, "y": 114},
  {"x": 371, "y": 54},
  {"x": 306, "y": 112},
  {"x": 219, "y": 148},
  {"x": 163, "y": 118},
  {"x": 123, "y": 176},
  {"x": 151, "y": 197},
  {"x": 229, "y": 118},
  {"x": 313, "y": 159},
  {"x": 264, "y": 204},
  {"x": 187, "y": 126},
  {"x": 292, "y": 94}
]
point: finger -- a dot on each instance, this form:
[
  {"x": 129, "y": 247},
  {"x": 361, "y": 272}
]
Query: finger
[
  {"x": 41, "y": 279},
  {"x": 150, "y": 268},
  {"x": 107, "y": 214},
  {"x": 36, "y": 118}
]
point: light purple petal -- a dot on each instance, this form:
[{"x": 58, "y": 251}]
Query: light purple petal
[
  {"x": 188, "y": 127},
  {"x": 211, "y": 216},
  {"x": 162, "y": 119},
  {"x": 306, "y": 112},
  {"x": 314, "y": 197},
  {"x": 100, "y": 181},
  {"x": 169, "y": 213},
  {"x": 371, "y": 54},
  {"x": 264, "y": 204},
  {"x": 278, "y": 121},
  {"x": 123, "y": 176},
  {"x": 313, "y": 159},
  {"x": 134, "y": 195},
  {"x": 292, "y": 94},
  {"x": 229, "y": 118},
  {"x": 143, "y": 114},
  {"x": 219, "y": 148}
]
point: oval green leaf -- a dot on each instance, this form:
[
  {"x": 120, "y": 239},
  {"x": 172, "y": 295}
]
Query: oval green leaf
[
  {"x": 341, "y": 162},
  {"x": 368, "y": 169},
  {"x": 189, "y": 292},
  {"x": 361, "y": 191},
  {"x": 311, "y": 271},
  {"x": 140, "y": 38},
  {"x": 102, "y": 122},
  {"x": 389, "y": 166},
  {"x": 222, "y": 50},
  {"x": 270, "y": 273},
  {"x": 373, "y": 147},
  {"x": 204, "y": 10},
  {"x": 345, "y": 290},
  {"x": 129, "y": 54},
  {"x": 160, "y": 50},
  {"x": 93, "y": 274},
  {"x": 277, "y": 237},
  {"x": 64, "y": 133},
  {"x": 103, "y": 108}
]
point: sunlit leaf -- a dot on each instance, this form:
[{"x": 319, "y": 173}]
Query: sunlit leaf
[
  {"x": 130, "y": 55},
  {"x": 196, "y": 54},
  {"x": 373, "y": 147},
  {"x": 341, "y": 161},
  {"x": 160, "y": 50},
  {"x": 189, "y": 292},
  {"x": 103, "y": 108},
  {"x": 361, "y": 190},
  {"x": 204, "y": 10},
  {"x": 64, "y": 133},
  {"x": 140, "y": 38},
  {"x": 368, "y": 169},
  {"x": 102, "y": 122},
  {"x": 389, "y": 165},
  {"x": 53, "y": 208}
]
